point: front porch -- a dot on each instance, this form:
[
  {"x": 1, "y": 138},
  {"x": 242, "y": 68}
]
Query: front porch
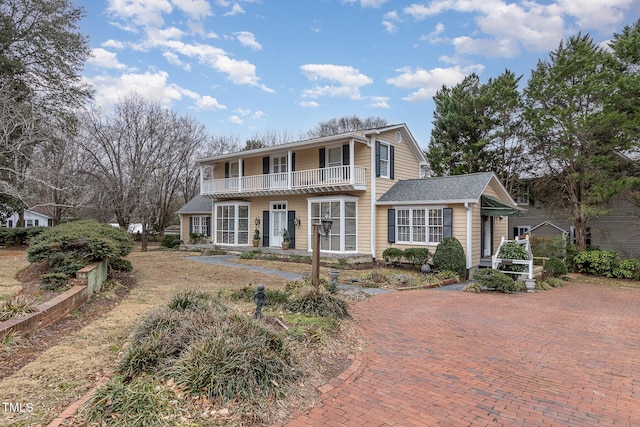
[{"x": 325, "y": 257}]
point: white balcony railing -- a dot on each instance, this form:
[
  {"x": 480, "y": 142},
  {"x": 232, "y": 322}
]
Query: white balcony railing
[{"x": 297, "y": 180}]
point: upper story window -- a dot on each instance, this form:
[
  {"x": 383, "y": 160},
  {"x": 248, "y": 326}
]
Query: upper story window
[
  {"x": 384, "y": 160},
  {"x": 335, "y": 157},
  {"x": 234, "y": 170}
]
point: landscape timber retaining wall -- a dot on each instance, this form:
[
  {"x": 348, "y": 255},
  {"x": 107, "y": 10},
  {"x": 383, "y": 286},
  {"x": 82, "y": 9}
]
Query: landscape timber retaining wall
[{"x": 90, "y": 280}]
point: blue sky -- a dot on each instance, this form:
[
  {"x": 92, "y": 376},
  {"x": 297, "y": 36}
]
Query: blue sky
[{"x": 245, "y": 67}]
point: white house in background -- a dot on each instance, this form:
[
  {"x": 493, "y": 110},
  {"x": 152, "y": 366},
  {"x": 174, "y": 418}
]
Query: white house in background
[{"x": 31, "y": 219}]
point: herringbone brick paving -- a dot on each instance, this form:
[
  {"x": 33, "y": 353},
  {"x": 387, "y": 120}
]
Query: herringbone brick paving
[{"x": 565, "y": 357}]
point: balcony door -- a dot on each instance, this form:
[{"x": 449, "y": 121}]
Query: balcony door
[
  {"x": 278, "y": 219},
  {"x": 279, "y": 171}
]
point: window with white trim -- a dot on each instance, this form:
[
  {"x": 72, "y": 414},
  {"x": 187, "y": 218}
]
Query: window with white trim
[
  {"x": 232, "y": 223},
  {"x": 419, "y": 226},
  {"x": 384, "y": 160},
  {"x": 199, "y": 225},
  {"x": 344, "y": 230}
]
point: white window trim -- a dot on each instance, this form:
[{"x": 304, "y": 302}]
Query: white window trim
[
  {"x": 387, "y": 160},
  {"x": 333, "y": 147},
  {"x": 342, "y": 200},
  {"x": 214, "y": 226},
  {"x": 428, "y": 235},
  {"x": 202, "y": 224}
]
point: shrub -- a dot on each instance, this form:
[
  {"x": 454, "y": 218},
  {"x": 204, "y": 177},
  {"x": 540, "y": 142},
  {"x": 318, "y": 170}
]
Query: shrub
[
  {"x": 16, "y": 307},
  {"x": 319, "y": 304},
  {"x": 417, "y": 256},
  {"x": 555, "y": 267},
  {"x": 513, "y": 250},
  {"x": 375, "y": 277},
  {"x": 53, "y": 281},
  {"x": 170, "y": 241},
  {"x": 548, "y": 247},
  {"x": 392, "y": 255},
  {"x": 626, "y": 269},
  {"x": 252, "y": 254},
  {"x": 71, "y": 246},
  {"x": 196, "y": 300},
  {"x": 448, "y": 274},
  {"x": 473, "y": 287},
  {"x": 596, "y": 262},
  {"x": 196, "y": 239},
  {"x": 18, "y": 236},
  {"x": 449, "y": 255},
  {"x": 497, "y": 280},
  {"x": 121, "y": 264}
]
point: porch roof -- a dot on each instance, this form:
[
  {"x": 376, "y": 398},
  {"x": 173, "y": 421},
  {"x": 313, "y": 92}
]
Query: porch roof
[{"x": 490, "y": 206}]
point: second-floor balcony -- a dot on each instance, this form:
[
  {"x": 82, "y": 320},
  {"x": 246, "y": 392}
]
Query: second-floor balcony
[{"x": 330, "y": 179}]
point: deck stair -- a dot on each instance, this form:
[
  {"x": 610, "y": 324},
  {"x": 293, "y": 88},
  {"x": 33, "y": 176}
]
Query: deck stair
[{"x": 497, "y": 262}]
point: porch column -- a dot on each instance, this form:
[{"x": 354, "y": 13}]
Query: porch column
[
  {"x": 469, "y": 251},
  {"x": 289, "y": 177},
  {"x": 201, "y": 180},
  {"x": 352, "y": 163}
]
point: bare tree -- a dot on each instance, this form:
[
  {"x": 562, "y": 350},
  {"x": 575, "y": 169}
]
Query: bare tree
[
  {"x": 141, "y": 155},
  {"x": 345, "y": 124}
]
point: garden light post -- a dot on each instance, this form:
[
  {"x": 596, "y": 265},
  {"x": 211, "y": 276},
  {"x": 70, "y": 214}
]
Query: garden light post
[{"x": 323, "y": 228}]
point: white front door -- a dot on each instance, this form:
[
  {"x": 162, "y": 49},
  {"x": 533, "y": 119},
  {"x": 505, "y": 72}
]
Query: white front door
[
  {"x": 278, "y": 222},
  {"x": 487, "y": 236}
]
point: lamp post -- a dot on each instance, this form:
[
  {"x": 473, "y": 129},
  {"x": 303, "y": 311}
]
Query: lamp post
[{"x": 319, "y": 229}]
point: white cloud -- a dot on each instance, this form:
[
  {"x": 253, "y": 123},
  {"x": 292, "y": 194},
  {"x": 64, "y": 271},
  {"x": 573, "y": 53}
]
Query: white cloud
[
  {"x": 197, "y": 9},
  {"x": 428, "y": 82},
  {"x": 103, "y": 58},
  {"x": 235, "y": 119},
  {"x": 236, "y": 9},
  {"x": 208, "y": 103},
  {"x": 309, "y": 104},
  {"x": 368, "y": 3},
  {"x": 140, "y": 12},
  {"x": 598, "y": 13},
  {"x": 152, "y": 86},
  {"x": 174, "y": 59},
  {"x": 379, "y": 102},
  {"x": 248, "y": 39},
  {"x": 349, "y": 80},
  {"x": 114, "y": 44},
  {"x": 434, "y": 36},
  {"x": 390, "y": 21}
]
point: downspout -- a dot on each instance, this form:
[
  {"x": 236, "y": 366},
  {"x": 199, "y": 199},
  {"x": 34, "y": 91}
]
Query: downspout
[
  {"x": 469, "y": 208},
  {"x": 372, "y": 170}
]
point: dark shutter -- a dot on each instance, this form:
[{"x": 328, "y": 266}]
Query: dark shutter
[
  {"x": 293, "y": 162},
  {"x": 345, "y": 154},
  {"x": 291, "y": 226},
  {"x": 208, "y": 226},
  {"x": 265, "y": 165},
  {"x": 243, "y": 167},
  {"x": 321, "y": 156},
  {"x": 447, "y": 222},
  {"x": 391, "y": 225},
  {"x": 391, "y": 162},
  {"x": 377, "y": 158},
  {"x": 226, "y": 170},
  {"x": 190, "y": 224},
  {"x": 515, "y": 232},
  {"x": 265, "y": 228}
]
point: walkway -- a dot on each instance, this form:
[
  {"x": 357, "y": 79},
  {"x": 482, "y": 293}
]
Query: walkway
[{"x": 566, "y": 357}]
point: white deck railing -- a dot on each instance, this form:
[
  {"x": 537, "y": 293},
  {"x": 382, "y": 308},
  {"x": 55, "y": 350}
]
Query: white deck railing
[
  {"x": 497, "y": 262},
  {"x": 310, "y": 178}
]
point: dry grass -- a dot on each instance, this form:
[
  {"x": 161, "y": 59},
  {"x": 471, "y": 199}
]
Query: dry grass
[
  {"x": 11, "y": 261},
  {"x": 65, "y": 372}
]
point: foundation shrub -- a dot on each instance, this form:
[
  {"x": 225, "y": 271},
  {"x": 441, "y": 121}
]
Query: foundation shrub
[
  {"x": 392, "y": 255},
  {"x": 555, "y": 267},
  {"x": 252, "y": 254},
  {"x": 498, "y": 281},
  {"x": 449, "y": 255},
  {"x": 417, "y": 256}
]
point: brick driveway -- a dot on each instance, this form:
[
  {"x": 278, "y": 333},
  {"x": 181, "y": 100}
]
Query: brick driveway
[{"x": 570, "y": 356}]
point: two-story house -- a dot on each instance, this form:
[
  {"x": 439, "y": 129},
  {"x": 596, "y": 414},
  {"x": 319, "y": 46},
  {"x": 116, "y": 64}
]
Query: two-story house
[{"x": 370, "y": 183}]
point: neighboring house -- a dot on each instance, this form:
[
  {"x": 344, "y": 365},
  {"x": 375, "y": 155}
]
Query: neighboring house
[
  {"x": 32, "y": 218},
  {"x": 618, "y": 231},
  {"x": 370, "y": 183},
  {"x": 195, "y": 217}
]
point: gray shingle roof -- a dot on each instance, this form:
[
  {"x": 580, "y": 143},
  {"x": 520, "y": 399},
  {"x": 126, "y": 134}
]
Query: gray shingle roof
[
  {"x": 198, "y": 204},
  {"x": 458, "y": 188}
]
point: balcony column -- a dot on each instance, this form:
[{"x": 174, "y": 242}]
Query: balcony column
[
  {"x": 289, "y": 172},
  {"x": 352, "y": 162},
  {"x": 201, "y": 181}
]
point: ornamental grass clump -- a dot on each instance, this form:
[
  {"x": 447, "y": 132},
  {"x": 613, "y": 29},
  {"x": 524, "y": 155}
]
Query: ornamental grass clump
[
  {"x": 16, "y": 307},
  {"x": 314, "y": 303}
]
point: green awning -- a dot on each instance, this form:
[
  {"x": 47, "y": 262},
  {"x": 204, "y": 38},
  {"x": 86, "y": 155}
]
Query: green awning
[{"x": 490, "y": 206}]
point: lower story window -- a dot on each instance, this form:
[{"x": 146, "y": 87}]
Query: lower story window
[
  {"x": 232, "y": 223},
  {"x": 419, "y": 226},
  {"x": 199, "y": 225},
  {"x": 343, "y": 236}
]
